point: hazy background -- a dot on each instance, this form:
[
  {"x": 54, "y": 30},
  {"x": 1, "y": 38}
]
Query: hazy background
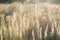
[{"x": 31, "y": 1}]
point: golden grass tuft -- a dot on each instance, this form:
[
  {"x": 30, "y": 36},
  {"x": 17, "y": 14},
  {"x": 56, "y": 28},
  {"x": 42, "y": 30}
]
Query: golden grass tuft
[{"x": 29, "y": 21}]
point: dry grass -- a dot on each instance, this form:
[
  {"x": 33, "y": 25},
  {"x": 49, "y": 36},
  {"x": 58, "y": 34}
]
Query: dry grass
[{"x": 29, "y": 21}]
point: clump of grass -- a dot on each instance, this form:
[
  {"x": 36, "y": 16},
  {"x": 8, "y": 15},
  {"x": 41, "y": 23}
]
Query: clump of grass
[{"x": 23, "y": 22}]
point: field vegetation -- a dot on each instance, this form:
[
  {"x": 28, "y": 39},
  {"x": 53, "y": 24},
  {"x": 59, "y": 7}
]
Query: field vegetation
[{"x": 40, "y": 21}]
